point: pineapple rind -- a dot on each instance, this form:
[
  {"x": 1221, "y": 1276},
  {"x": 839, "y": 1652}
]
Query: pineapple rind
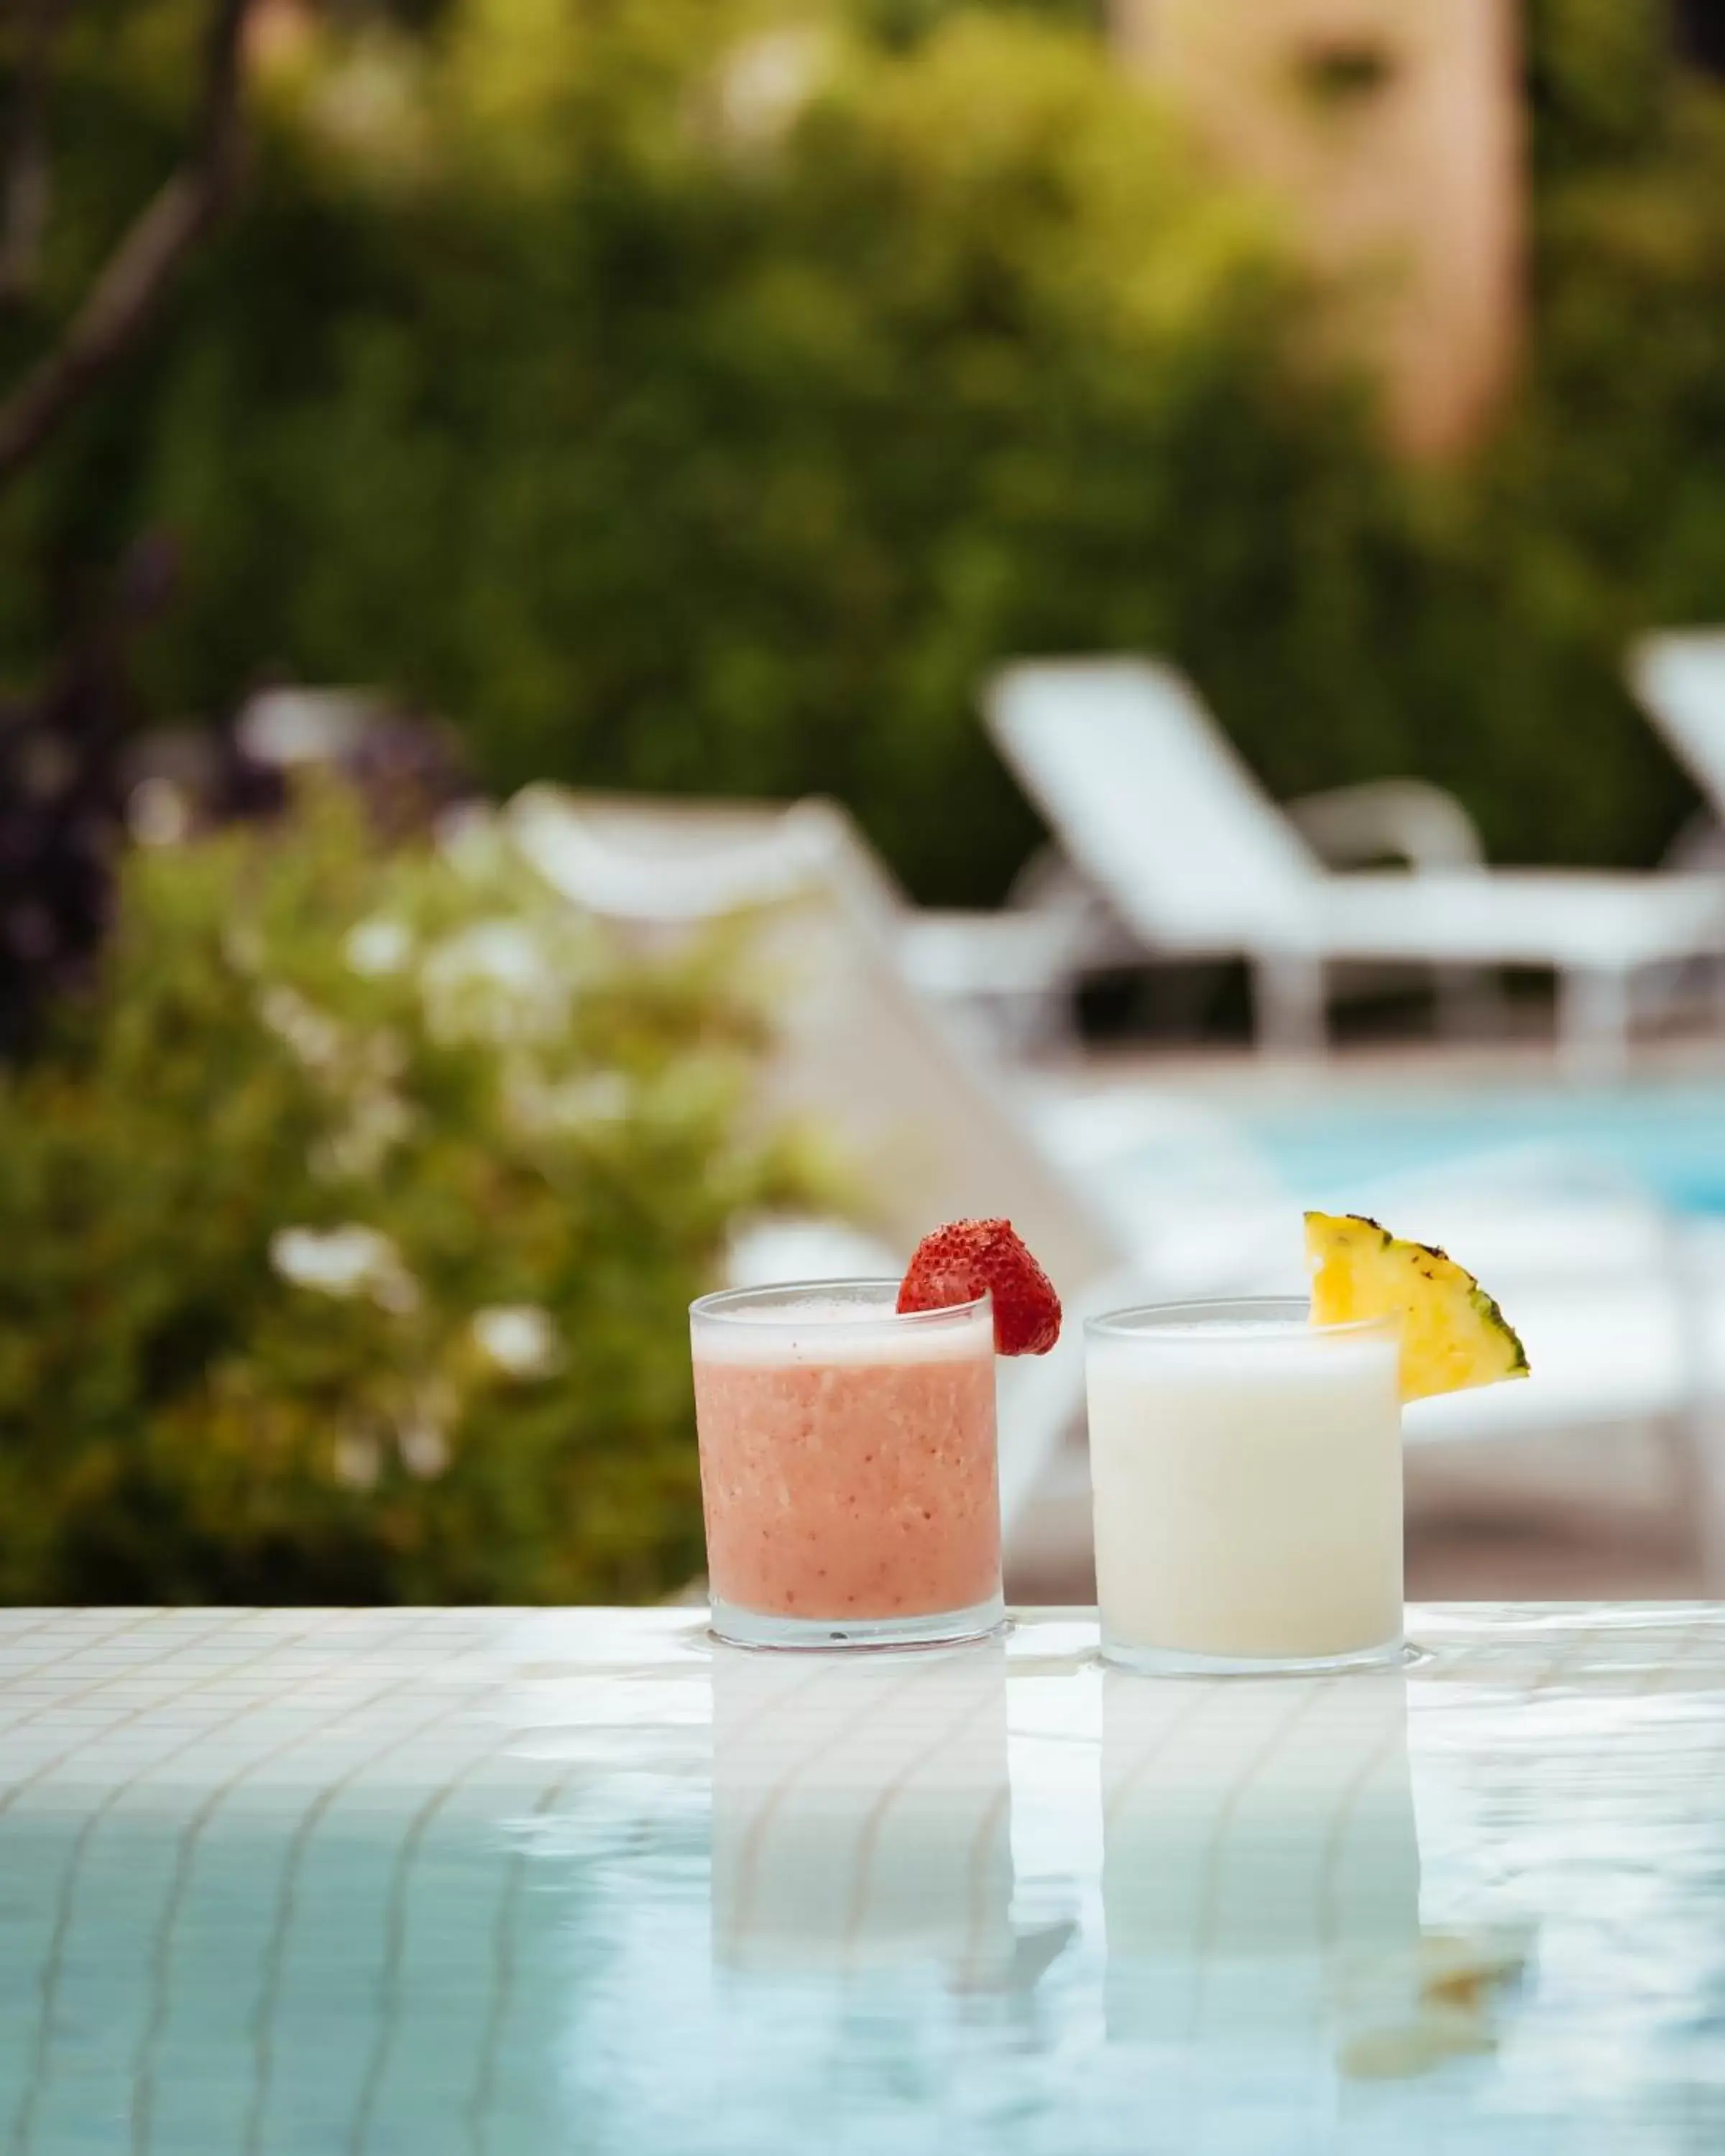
[
  {"x": 1456, "y": 1338},
  {"x": 1491, "y": 1314}
]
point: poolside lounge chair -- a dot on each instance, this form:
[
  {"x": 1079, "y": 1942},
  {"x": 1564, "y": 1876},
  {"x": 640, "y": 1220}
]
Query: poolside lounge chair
[
  {"x": 931, "y": 1126},
  {"x": 1151, "y": 802},
  {"x": 1126, "y": 1195},
  {"x": 1679, "y": 677},
  {"x": 674, "y": 859}
]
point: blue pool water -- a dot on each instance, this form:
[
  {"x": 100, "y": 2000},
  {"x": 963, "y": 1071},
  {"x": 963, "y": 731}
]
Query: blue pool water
[{"x": 1670, "y": 1138}]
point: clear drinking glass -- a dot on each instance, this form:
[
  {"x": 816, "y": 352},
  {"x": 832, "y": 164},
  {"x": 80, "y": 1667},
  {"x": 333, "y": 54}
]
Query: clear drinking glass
[
  {"x": 848, "y": 1469},
  {"x": 1247, "y": 1469}
]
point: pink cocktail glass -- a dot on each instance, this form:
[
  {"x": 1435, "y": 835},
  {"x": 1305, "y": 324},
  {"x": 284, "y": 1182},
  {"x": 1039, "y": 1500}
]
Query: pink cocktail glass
[{"x": 847, "y": 1467}]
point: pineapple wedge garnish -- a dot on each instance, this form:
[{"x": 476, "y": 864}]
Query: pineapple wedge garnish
[{"x": 1453, "y": 1334}]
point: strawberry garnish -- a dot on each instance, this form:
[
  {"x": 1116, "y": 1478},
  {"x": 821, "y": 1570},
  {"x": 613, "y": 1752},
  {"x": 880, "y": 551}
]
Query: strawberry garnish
[{"x": 968, "y": 1258}]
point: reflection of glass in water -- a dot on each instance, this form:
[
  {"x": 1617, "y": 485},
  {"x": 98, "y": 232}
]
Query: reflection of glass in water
[
  {"x": 861, "y": 1815},
  {"x": 1261, "y": 1872}
]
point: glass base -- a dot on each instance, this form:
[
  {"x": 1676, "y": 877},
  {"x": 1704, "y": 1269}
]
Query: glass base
[
  {"x": 1171, "y": 1662},
  {"x": 753, "y": 1628}
]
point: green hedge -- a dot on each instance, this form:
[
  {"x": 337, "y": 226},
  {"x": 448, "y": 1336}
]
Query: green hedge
[
  {"x": 665, "y": 429},
  {"x": 351, "y": 1227}
]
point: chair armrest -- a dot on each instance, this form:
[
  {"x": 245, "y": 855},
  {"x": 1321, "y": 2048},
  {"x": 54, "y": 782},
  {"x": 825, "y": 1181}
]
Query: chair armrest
[
  {"x": 1049, "y": 886},
  {"x": 1010, "y": 951},
  {"x": 1408, "y": 818}
]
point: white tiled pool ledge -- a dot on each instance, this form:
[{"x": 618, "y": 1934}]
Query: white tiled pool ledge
[{"x": 505, "y": 1882}]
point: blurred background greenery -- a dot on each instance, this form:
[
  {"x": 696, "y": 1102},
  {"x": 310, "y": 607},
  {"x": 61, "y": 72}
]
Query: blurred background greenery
[
  {"x": 700, "y": 394},
  {"x": 695, "y": 395},
  {"x": 352, "y": 1226}
]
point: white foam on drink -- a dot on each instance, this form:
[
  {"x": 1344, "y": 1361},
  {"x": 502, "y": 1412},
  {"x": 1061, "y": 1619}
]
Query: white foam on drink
[
  {"x": 1236, "y": 1356},
  {"x": 772, "y": 1336},
  {"x": 1238, "y": 1359}
]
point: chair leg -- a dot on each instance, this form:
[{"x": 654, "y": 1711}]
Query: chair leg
[
  {"x": 1288, "y": 993},
  {"x": 1594, "y": 1021},
  {"x": 1697, "y": 1439},
  {"x": 1696, "y": 1431}
]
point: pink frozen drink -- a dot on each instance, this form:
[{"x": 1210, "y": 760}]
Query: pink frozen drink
[{"x": 847, "y": 1466}]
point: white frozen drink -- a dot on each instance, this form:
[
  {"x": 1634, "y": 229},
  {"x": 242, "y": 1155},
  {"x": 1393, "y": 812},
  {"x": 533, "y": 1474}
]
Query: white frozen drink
[{"x": 1247, "y": 1472}]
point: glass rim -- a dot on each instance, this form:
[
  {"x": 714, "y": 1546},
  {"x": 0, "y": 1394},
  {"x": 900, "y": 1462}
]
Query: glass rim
[
  {"x": 1227, "y": 1319},
  {"x": 734, "y": 1305}
]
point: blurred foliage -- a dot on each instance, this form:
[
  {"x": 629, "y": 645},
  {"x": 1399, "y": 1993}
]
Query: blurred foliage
[
  {"x": 1599, "y": 79},
  {"x": 703, "y": 394},
  {"x": 903, "y": 22},
  {"x": 351, "y": 1224}
]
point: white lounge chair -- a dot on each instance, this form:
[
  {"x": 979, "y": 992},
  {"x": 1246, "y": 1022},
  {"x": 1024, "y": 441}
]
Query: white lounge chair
[
  {"x": 1679, "y": 677},
  {"x": 931, "y": 1128},
  {"x": 654, "y": 859},
  {"x": 1126, "y": 1196},
  {"x": 1151, "y": 803}
]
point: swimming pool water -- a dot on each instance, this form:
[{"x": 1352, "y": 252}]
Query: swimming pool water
[{"x": 1670, "y": 1138}]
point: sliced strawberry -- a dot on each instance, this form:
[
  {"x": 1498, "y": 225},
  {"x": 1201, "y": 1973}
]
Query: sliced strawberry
[{"x": 961, "y": 1261}]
